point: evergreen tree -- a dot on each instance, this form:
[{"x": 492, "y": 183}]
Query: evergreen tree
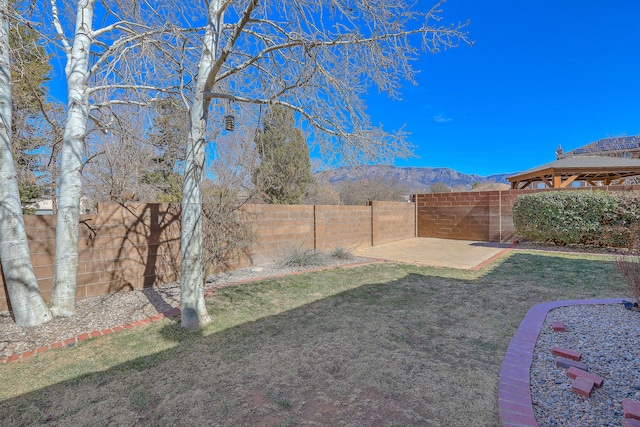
[
  {"x": 167, "y": 137},
  {"x": 27, "y": 304},
  {"x": 169, "y": 129},
  {"x": 30, "y": 71},
  {"x": 284, "y": 173}
]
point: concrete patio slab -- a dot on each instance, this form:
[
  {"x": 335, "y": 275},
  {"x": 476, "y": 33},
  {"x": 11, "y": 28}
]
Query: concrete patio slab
[{"x": 463, "y": 254}]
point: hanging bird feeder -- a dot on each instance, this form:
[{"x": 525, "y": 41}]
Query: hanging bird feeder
[{"x": 229, "y": 122}]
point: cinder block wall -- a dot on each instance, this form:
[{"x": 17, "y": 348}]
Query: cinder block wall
[
  {"x": 463, "y": 216},
  {"x": 393, "y": 221},
  {"x": 124, "y": 248},
  {"x": 275, "y": 230},
  {"x": 345, "y": 226},
  {"x": 483, "y": 216},
  {"x": 119, "y": 249}
]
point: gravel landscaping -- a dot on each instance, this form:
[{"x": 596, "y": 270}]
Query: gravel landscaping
[{"x": 608, "y": 338}]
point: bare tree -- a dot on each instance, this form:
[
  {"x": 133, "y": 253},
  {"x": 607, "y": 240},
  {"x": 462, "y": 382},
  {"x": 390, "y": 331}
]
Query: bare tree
[
  {"x": 315, "y": 57},
  {"x": 321, "y": 192},
  {"x": 379, "y": 188},
  {"x": 106, "y": 66},
  {"x": 27, "y": 304},
  {"x": 439, "y": 187},
  {"x": 122, "y": 162},
  {"x": 226, "y": 233},
  {"x": 490, "y": 186}
]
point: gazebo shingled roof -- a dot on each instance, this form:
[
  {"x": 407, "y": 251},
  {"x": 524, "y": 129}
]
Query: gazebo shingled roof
[
  {"x": 619, "y": 146},
  {"x": 593, "y": 170}
]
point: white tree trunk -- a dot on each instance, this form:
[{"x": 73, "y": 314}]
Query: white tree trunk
[
  {"x": 66, "y": 264},
  {"x": 27, "y": 304},
  {"x": 194, "y": 311}
]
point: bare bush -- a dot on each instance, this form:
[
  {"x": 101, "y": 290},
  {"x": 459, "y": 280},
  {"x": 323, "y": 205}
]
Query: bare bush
[
  {"x": 490, "y": 186},
  {"x": 226, "y": 236},
  {"x": 341, "y": 253},
  {"x": 375, "y": 188},
  {"x": 629, "y": 267},
  {"x": 321, "y": 192},
  {"x": 439, "y": 187},
  {"x": 298, "y": 257}
]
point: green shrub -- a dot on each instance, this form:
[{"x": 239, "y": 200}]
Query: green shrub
[{"x": 597, "y": 217}]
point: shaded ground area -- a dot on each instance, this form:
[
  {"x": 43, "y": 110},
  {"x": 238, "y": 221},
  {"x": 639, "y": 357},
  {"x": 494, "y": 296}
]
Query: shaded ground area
[
  {"x": 108, "y": 311},
  {"x": 376, "y": 345},
  {"x": 436, "y": 252}
]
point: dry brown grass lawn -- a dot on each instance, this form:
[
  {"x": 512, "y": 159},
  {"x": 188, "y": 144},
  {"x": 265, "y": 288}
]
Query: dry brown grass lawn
[{"x": 377, "y": 345}]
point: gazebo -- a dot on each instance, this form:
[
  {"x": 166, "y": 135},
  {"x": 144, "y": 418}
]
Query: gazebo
[
  {"x": 588, "y": 170},
  {"x": 618, "y": 146}
]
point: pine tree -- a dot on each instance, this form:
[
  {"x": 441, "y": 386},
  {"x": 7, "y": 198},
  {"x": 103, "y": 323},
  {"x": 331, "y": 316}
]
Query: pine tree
[
  {"x": 167, "y": 137},
  {"x": 20, "y": 281},
  {"x": 284, "y": 173},
  {"x": 30, "y": 71}
]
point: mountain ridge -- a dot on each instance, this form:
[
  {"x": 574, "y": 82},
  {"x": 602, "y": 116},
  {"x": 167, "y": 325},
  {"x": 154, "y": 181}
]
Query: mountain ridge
[{"x": 418, "y": 179}]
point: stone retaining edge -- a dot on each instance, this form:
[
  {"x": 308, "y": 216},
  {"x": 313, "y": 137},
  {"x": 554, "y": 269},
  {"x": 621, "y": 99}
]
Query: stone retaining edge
[{"x": 514, "y": 395}]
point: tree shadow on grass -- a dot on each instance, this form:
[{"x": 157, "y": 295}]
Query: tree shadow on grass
[{"x": 422, "y": 348}]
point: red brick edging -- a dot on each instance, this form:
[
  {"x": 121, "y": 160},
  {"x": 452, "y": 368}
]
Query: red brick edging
[
  {"x": 169, "y": 313},
  {"x": 514, "y": 396},
  {"x": 84, "y": 336},
  {"x": 486, "y": 262}
]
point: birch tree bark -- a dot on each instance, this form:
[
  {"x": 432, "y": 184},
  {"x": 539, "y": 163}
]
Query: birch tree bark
[
  {"x": 118, "y": 59},
  {"x": 63, "y": 296},
  {"x": 27, "y": 304},
  {"x": 194, "y": 312},
  {"x": 314, "y": 57}
]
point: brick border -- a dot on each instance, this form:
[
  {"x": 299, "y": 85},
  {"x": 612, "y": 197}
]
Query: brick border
[
  {"x": 486, "y": 262},
  {"x": 70, "y": 342},
  {"x": 514, "y": 395}
]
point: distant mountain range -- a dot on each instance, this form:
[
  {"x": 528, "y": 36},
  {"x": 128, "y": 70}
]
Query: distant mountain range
[{"x": 417, "y": 179}]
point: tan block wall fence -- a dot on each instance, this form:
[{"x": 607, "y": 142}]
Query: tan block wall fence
[
  {"x": 482, "y": 216},
  {"x": 124, "y": 248}
]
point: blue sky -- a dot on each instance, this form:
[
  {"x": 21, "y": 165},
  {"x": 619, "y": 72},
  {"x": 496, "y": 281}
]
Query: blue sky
[{"x": 541, "y": 73}]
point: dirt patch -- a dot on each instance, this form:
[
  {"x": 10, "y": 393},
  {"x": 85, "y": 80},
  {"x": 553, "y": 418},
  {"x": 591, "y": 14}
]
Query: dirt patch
[{"x": 361, "y": 406}]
